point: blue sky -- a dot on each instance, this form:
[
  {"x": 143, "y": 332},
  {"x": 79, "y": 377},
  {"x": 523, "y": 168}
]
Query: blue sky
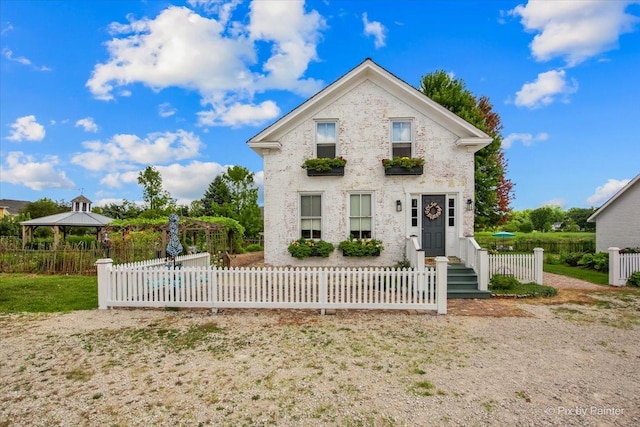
[{"x": 92, "y": 92}]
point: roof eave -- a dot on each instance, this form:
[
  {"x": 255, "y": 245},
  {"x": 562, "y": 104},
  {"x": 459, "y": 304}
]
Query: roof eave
[{"x": 261, "y": 147}]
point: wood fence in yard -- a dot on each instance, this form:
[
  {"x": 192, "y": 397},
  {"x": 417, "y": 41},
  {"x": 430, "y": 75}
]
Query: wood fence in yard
[
  {"x": 621, "y": 266},
  {"x": 159, "y": 285}
]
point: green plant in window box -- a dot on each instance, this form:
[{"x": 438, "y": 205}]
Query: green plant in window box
[
  {"x": 303, "y": 248},
  {"x": 403, "y": 162},
  {"x": 361, "y": 247},
  {"x": 324, "y": 164}
]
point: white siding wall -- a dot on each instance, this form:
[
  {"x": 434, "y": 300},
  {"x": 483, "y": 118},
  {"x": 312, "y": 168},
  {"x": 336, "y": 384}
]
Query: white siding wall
[
  {"x": 619, "y": 224},
  {"x": 363, "y": 115}
]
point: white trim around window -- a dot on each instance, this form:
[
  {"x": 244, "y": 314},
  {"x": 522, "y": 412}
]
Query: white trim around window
[
  {"x": 361, "y": 215},
  {"x": 310, "y": 215},
  {"x": 402, "y": 137},
  {"x": 326, "y": 138}
]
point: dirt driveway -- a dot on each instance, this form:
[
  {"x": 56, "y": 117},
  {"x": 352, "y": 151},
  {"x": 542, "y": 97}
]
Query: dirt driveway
[{"x": 572, "y": 360}]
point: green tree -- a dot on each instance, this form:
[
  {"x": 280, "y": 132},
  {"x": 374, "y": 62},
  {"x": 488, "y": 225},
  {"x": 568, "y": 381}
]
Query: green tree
[
  {"x": 158, "y": 200},
  {"x": 493, "y": 191},
  {"x": 542, "y": 218},
  {"x": 234, "y": 195},
  {"x": 44, "y": 207},
  {"x": 217, "y": 195},
  {"x": 124, "y": 210},
  {"x": 9, "y": 226},
  {"x": 580, "y": 215}
]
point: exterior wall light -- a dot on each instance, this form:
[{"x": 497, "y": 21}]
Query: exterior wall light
[
  {"x": 398, "y": 205},
  {"x": 469, "y": 204}
]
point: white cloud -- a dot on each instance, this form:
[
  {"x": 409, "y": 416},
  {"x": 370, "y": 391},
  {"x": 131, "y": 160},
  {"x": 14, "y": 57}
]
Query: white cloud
[
  {"x": 294, "y": 35},
  {"x": 559, "y": 202},
  {"x": 6, "y": 29},
  {"x": 166, "y": 110},
  {"x": 526, "y": 139},
  {"x": 117, "y": 179},
  {"x": 375, "y": 29},
  {"x": 239, "y": 114},
  {"x": 26, "y": 128},
  {"x": 167, "y": 51},
  {"x": 8, "y": 53},
  {"x": 545, "y": 89},
  {"x": 575, "y": 30},
  {"x": 606, "y": 191},
  {"x": 189, "y": 182},
  {"x": 126, "y": 151},
  {"x": 87, "y": 124},
  {"x": 22, "y": 169}
]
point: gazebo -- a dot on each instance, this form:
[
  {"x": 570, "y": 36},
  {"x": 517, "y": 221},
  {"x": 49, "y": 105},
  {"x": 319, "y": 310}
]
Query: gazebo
[{"x": 79, "y": 216}]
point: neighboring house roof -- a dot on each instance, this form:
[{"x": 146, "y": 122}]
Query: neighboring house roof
[
  {"x": 76, "y": 219},
  {"x": 615, "y": 197},
  {"x": 13, "y": 207},
  {"x": 468, "y": 135}
]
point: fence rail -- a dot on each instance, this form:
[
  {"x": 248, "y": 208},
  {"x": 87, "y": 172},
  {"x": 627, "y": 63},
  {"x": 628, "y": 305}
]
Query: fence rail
[
  {"x": 295, "y": 288},
  {"x": 621, "y": 266}
]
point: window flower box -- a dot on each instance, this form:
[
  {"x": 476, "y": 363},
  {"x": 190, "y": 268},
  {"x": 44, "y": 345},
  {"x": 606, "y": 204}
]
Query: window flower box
[
  {"x": 325, "y": 166},
  {"x": 361, "y": 247},
  {"x": 303, "y": 248},
  {"x": 403, "y": 166}
]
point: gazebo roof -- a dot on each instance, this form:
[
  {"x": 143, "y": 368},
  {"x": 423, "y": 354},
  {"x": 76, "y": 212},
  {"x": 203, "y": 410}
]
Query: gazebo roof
[{"x": 76, "y": 219}]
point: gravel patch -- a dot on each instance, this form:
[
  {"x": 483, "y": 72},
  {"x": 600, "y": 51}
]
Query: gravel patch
[{"x": 566, "y": 364}]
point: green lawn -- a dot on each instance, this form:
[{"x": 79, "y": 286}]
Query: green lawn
[
  {"x": 47, "y": 293},
  {"x": 591, "y": 276}
]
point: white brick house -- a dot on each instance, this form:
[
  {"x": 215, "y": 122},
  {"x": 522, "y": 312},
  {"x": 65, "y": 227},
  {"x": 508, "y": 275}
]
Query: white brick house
[
  {"x": 618, "y": 220},
  {"x": 366, "y": 116}
]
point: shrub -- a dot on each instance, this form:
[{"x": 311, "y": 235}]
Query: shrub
[
  {"x": 253, "y": 247},
  {"x": 571, "y": 258},
  {"x": 361, "y": 247},
  {"x": 499, "y": 282},
  {"x": 303, "y": 248},
  {"x": 598, "y": 261},
  {"x": 634, "y": 280}
]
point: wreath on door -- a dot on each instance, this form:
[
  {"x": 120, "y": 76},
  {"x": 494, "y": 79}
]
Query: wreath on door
[{"x": 433, "y": 211}]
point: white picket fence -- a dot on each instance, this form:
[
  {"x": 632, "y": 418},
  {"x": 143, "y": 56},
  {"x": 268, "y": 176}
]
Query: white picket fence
[
  {"x": 524, "y": 267},
  {"x": 294, "y": 288},
  {"x": 621, "y": 266}
]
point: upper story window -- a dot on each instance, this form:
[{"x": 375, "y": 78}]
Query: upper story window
[
  {"x": 326, "y": 137},
  {"x": 311, "y": 216},
  {"x": 401, "y": 138}
]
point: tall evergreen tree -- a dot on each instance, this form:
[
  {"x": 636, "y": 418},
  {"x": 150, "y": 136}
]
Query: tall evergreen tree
[
  {"x": 493, "y": 191},
  {"x": 234, "y": 195}
]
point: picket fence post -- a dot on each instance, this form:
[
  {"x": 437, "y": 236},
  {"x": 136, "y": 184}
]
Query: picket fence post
[
  {"x": 441, "y": 284},
  {"x": 538, "y": 260},
  {"x": 483, "y": 269},
  {"x": 614, "y": 267},
  {"x": 104, "y": 282}
]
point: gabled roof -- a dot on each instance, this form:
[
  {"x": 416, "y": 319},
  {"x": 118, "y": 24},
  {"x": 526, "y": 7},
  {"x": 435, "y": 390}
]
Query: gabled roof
[
  {"x": 14, "y": 206},
  {"x": 468, "y": 135},
  {"x": 76, "y": 219},
  {"x": 615, "y": 197}
]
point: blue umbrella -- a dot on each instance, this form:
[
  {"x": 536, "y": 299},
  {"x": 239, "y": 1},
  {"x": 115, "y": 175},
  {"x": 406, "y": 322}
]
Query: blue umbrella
[{"x": 503, "y": 234}]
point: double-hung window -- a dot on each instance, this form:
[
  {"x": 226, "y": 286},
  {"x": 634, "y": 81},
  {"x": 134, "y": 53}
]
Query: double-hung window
[
  {"x": 401, "y": 138},
  {"x": 326, "y": 138},
  {"x": 360, "y": 216},
  {"x": 311, "y": 216}
]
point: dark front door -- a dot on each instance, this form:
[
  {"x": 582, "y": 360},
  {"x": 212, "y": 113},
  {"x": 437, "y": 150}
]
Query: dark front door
[{"x": 433, "y": 232}]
